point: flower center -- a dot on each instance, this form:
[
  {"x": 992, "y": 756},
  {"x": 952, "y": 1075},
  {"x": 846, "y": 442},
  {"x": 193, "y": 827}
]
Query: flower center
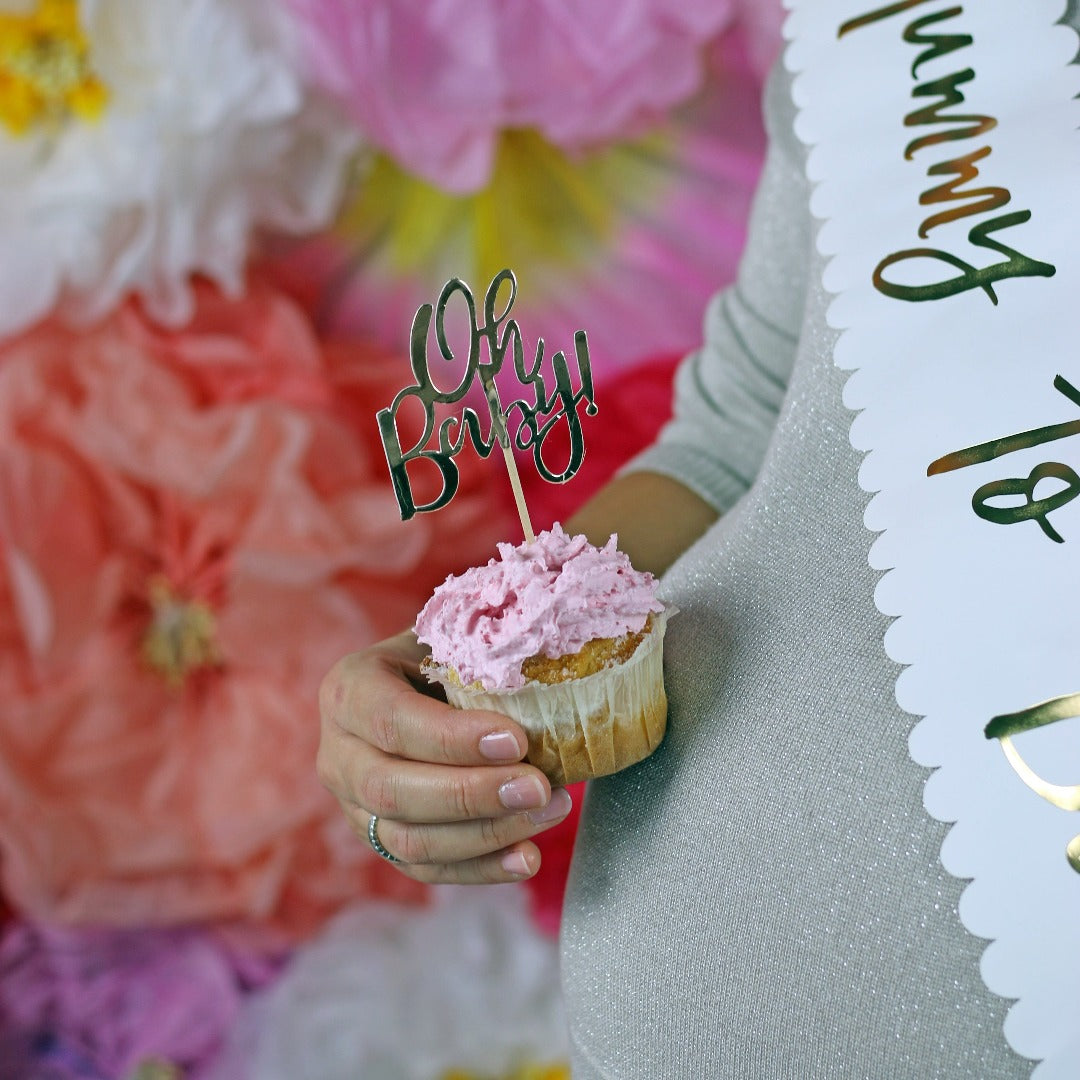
[
  {"x": 156, "y": 1069},
  {"x": 45, "y": 73},
  {"x": 541, "y": 208},
  {"x": 182, "y": 635},
  {"x": 527, "y": 1071}
]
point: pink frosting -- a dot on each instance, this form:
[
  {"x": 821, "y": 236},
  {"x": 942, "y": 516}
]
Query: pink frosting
[{"x": 546, "y": 598}]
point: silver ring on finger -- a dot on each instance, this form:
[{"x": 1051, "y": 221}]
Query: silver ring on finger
[{"x": 376, "y": 844}]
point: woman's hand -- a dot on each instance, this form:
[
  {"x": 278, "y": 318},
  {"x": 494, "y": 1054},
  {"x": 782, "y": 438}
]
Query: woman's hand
[{"x": 454, "y": 800}]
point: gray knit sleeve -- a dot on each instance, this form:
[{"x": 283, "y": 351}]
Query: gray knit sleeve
[{"x": 728, "y": 393}]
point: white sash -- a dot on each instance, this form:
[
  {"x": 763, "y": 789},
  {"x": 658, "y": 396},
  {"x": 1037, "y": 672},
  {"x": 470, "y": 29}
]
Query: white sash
[{"x": 945, "y": 160}]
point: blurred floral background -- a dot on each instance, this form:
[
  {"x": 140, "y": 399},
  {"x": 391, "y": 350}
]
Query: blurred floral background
[{"x": 217, "y": 218}]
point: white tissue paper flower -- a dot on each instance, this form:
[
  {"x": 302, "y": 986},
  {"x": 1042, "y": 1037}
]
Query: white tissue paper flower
[
  {"x": 142, "y": 143},
  {"x": 467, "y": 986}
]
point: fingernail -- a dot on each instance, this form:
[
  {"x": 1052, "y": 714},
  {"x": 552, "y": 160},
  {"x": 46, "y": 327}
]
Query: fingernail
[
  {"x": 514, "y": 862},
  {"x": 522, "y": 793},
  {"x": 559, "y": 807},
  {"x": 500, "y": 746}
]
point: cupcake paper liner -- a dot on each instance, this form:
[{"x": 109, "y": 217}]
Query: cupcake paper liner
[{"x": 586, "y": 727}]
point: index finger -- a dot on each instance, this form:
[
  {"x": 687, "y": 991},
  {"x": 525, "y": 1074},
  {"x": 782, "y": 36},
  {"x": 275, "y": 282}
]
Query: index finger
[{"x": 374, "y": 699}]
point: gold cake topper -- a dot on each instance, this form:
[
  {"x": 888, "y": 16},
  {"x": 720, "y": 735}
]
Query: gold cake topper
[{"x": 536, "y": 418}]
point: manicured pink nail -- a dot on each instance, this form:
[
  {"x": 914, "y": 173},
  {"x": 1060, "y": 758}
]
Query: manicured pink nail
[
  {"x": 523, "y": 793},
  {"x": 514, "y": 862},
  {"x": 559, "y": 807},
  {"x": 500, "y": 746}
]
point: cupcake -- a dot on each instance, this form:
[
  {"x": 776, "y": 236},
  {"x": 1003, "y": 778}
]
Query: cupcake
[{"x": 564, "y": 637}]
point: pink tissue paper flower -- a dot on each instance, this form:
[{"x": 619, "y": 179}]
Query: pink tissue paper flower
[
  {"x": 433, "y": 83},
  {"x": 95, "y": 1004},
  {"x": 628, "y": 240},
  {"x": 193, "y": 526}
]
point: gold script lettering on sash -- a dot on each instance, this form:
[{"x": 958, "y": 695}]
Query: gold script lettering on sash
[
  {"x": 1063, "y": 796},
  {"x": 1031, "y": 509},
  {"x": 935, "y": 100}
]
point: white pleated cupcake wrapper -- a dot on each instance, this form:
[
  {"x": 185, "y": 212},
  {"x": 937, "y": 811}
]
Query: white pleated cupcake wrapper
[{"x": 605, "y": 714}]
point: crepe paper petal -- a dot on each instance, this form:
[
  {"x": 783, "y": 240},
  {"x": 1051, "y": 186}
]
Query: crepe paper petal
[
  {"x": 433, "y": 84},
  {"x": 194, "y": 526},
  {"x": 761, "y": 23},
  {"x": 96, "y": 1003},
  {"x": 42, "y": 1056},
  {"x": 200, "y": 133},
  {"x": 628, "y": 241},
  {"x": 466, "y": 985}
]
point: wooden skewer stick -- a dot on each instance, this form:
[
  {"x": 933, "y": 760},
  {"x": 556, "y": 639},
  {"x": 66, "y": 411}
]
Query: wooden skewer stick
[
  {"x": 519, "y": 497},
  {"x": 499, "y": 423}
]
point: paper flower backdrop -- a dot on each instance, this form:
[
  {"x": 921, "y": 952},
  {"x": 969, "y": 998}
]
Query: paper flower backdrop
[
  {"x": 628, "y": 239},
  {"x": 191, "y": 532},
  {"x": 97, "y": 1004},
  {"x": 434, "y": 84},
  {"x": 142, "y": 143},
  {"x": 475, "y": 995},
  {"x": 195, "y": 515}
]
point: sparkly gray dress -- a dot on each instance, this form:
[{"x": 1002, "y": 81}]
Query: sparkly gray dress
[{"x": 763, "y": 898}]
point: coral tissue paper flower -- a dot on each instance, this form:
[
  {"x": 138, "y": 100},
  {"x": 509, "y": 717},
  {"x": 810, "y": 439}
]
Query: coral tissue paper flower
[
  {"x": 192, "y": 530},
  {"x": 143, "y": 142},
  {"x": 433, "y": 83}
]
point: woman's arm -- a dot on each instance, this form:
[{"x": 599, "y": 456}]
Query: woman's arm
[{"x": 656, "y": 518}]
